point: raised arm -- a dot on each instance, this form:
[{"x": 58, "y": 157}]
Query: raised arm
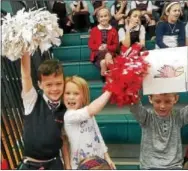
[
  {"x": 98, "y": 104},
  {"x": 140, "y": 113},
  {"x": 26, "y": 73},
  {"x": 73, "y": 116}
]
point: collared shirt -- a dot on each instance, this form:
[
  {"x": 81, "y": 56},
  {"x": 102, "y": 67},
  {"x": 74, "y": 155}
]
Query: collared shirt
[
  {"x": 30, "y": 98},
  {"x": 100, "y": 27},
  {"x": 122, "y": 32}
]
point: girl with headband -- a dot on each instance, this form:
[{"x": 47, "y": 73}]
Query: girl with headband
[{"x": 170, "y": 32}]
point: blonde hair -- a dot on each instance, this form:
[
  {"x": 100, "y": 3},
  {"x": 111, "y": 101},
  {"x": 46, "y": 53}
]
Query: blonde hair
[
  {"x": 82, "y": 85},
  {"x": 167, "y": 7},
  {"x": 98, "y": 12}
]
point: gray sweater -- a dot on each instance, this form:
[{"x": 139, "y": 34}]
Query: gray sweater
[{"x": 161, "y": 145}]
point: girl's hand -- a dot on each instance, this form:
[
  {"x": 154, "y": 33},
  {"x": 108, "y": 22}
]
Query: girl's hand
[
  {"x": 104, "y": 46},
  {"x": 101, "y": 47},
  {"x": 147, "y": 18},
  {"x": 121, "y": 15},
  {"x": 111, "y": 163},
  {"x": 131, "y": 25}
]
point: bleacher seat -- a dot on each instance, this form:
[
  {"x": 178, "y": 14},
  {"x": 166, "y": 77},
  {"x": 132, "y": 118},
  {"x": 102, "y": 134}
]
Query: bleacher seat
[{"x": 123, "y": 128}]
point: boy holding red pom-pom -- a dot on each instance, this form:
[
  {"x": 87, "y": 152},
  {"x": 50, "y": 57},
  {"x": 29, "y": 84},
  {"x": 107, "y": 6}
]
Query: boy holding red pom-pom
[{"x": 161, "y": 146}]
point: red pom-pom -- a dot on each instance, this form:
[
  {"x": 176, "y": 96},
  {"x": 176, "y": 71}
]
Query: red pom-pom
[{"x": 125, "y": 76}]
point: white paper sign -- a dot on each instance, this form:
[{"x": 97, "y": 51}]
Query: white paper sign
[{"x": 168, "y": 72}]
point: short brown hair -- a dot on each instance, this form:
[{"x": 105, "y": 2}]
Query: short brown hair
[{"x": 48, "y": 67}]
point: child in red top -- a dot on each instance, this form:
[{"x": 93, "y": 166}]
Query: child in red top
[{"x": 103, "y": 41}]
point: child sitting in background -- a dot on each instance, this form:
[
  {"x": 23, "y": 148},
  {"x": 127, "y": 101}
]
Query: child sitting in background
[
  {"x": 97, "y": 5},
  {"x": 170, "y": 32},
  {"x": 119, "y": 11},
  {"x": 103, "y": 41},
  {"x": 61, "y": 9},
  {"x": 94, "y": 163},
  {"x": 80, "y": 15},
  {"x": 133, "y": 32},
  {"x": 161, "y": 146},
  {"x": 147, "y": 20},
  {"x": 80, "y": 125},
  {"x": 158, "y": 12}
]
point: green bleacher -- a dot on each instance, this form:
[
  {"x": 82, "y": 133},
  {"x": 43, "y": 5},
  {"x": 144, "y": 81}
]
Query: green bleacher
[
  {"x": 119, "y": 127},
  {"x": 115, "y": 128}
]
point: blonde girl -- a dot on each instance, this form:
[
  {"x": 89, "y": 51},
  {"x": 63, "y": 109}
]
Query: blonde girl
[
  {"x": 103, "y": 41},
  {"x": 80, "y": 125},
  {"x": 170, "y": 32}
]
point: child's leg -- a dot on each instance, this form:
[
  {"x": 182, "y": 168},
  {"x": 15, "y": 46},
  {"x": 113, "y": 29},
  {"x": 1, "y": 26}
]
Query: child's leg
[
  {"x": 108, "y": 59},
  {"x": 103, "y": 67}
]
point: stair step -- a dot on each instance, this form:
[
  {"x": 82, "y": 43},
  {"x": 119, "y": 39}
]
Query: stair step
[
  {"x": 81, "y": 52},
  {"x": 71, "y": 53}
]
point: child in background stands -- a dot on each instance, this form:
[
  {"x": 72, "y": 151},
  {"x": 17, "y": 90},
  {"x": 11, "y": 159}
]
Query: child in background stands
[
  {"x": 133, "y": 32},
  {"x": 170, "y": 32},
  {"x": 103, "y": 41}
]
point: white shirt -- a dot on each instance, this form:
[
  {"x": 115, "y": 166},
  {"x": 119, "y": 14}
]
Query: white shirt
[
  {"x": 100, "y": 27},
  {"x": 122, "y": 32},
  {"x": 84, "y": 136},
  {"x": 149, "y": 8},
  {"x": 29, "y": 100}
]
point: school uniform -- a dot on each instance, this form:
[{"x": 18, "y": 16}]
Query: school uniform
[
  {"x": 62, "y": 11},
  {"x": 81, "y": 19},
  {"x": 98, "y": 36},
  {"x": 145, "y": 6},
  {"x": 43, "y": 125},
  {"x": 170, "y": 35},
  {"x": 114, "y": 9},
  {"x": 136, "y": 34},
  {"x": 96, "y": 4}
]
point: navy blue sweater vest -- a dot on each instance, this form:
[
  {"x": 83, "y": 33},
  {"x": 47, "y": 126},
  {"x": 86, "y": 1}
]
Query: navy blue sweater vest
[{"x": 42, "y": 131}]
